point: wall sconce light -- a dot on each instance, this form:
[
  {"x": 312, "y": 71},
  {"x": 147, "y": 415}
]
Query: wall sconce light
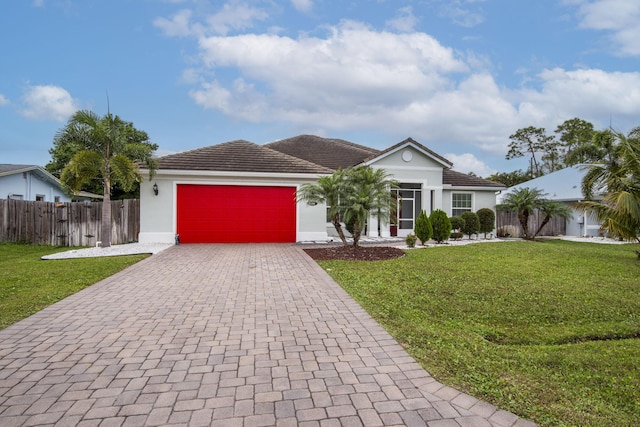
[{"x": 155, "y": 188}]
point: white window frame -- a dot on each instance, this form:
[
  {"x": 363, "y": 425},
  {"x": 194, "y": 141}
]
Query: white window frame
[{"x": 464, "y": 208}]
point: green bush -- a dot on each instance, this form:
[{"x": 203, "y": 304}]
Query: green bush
[
  {"x": 456, "y": 223},
  {"x": 455, "y": 235},
  {"x": 487, "y": 219},
  {"x": 410, "y": 240},
  {"x": 441, "y": 225},
  {"x": 423, "y": 229},
  {"x": 471, "y": 223}
]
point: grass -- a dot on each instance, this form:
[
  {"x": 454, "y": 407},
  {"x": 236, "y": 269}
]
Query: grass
[
  {"x": 548, "y": 330},
  {"x": 28, "y": 284}
]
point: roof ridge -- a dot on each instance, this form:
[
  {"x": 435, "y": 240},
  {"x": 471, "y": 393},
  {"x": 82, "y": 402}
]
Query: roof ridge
[
  {"x": 416, "y": 143},
  {"x": 240, "y": 156}
]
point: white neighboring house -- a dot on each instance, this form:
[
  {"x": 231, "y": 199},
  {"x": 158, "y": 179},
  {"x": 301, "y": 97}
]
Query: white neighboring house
[
  {"x": 31, "y": 182},
  {"x": 564, "y": 186},
  {"x": 241, "y": 192}
]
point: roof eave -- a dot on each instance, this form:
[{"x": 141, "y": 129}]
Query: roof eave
[
  {"x": 472, "y": 187},
  {"x": 214, "y": 173},
  {"x": 402, "y": 145}
]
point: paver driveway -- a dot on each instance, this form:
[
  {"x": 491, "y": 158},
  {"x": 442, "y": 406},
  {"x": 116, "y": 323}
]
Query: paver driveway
[{"x": 239, "y": 335}]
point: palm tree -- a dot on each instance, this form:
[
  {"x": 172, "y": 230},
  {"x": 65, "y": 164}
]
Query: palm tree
[
  {"x": 618, "y": 178},
  {"x": 552, "y": 209},
  {"x": 523, "y": 201},
  {"x": 367, "y": 190},
  {"x": 108, "y": 154},
  {"x": 328, "y": 190}
]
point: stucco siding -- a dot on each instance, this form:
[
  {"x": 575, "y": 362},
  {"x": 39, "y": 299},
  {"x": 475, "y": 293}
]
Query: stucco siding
[
  {"x": 29, "y": 186},
  {"x": 479, "y": 199}
]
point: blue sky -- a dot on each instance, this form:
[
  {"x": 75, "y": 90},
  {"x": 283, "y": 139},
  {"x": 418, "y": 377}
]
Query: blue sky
[{"x": 459, "y": 76}]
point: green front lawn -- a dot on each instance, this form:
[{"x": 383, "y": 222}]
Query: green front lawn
[
  {"x": 28, "y": 284},
  {"x": 548, "y": 330}
]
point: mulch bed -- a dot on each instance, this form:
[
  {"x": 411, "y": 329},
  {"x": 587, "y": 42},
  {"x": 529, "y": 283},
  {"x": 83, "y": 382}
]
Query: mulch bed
[{"x": 349, "y": 253}]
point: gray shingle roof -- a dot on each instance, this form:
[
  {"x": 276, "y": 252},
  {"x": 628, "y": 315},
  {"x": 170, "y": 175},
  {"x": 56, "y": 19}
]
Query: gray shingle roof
[
  {"x": 239, "y": 156},
  {"x": 459, "y": 179},
  {"x": 300, "y": 154},
  {"x": 328, "y": 152},
  {"x": 5, "y": 168}
]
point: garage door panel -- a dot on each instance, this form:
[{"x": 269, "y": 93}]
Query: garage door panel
[{"x": 236, "y": 214}]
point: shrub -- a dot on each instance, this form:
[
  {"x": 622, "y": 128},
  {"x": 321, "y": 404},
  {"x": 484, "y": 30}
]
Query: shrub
[
  {"x": 471, "y": 223},
  {"x": 456, "y": 223},
  {"x": 455, "y": 235},
  {"x": 441, "y": 225},
  {"x": 423, "y": 230},
  {"x": 487, "y": 219},
  {"x": 410, "y": 240}
]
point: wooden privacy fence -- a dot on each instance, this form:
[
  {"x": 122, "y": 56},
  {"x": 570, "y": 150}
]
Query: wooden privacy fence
[
  {"x": 555, "y": 227},
  {"x": 67, "y": 224}
]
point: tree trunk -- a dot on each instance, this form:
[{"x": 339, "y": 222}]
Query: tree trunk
[
  {"x": 356, "y": 234},
  {"x": 336, "y": 223},
  {"x": 544, "y": 222},
  {"x": 105, "y": 226},
  {"x": 524, "y": 223}
]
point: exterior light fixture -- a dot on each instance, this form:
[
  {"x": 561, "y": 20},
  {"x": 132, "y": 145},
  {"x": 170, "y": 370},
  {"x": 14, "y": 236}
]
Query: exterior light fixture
[{"x": 155, "y": 188}]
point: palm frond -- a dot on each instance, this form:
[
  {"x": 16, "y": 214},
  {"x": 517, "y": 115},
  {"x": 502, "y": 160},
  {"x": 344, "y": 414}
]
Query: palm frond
[
  {"x": 124, "y": 172},
  {"x": 83, "y": 167}
]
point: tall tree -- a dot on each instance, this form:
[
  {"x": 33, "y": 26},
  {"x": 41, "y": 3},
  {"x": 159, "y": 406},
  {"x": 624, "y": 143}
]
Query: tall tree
[
  {"x": 533, "y": 142},
  {"x": 618, "y": 179},
  {"x": 510, "y": 179},
  {"x": 552, "y": 157},
  {"x": 576, "y": 137},
  {"x": 367, "y": 190},
  {"x": 523, "y": 201},
  {"x": 106, "y": 150},
  {"x": 64, "y": 148},
  {"x": 327, "y": 190}
]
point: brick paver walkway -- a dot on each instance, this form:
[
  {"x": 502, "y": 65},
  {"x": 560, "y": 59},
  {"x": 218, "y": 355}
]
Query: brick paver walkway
[{"x": 237, "y": 335}]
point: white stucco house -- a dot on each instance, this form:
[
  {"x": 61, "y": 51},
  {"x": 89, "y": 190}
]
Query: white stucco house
[
  {"x": 31, "y": 182},
  {"x": 564, "y": 186},
  {"x": 239, "y": 191}
]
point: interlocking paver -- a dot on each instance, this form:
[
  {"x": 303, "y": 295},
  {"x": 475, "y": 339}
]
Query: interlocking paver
[{"x": 236, "y": 335}]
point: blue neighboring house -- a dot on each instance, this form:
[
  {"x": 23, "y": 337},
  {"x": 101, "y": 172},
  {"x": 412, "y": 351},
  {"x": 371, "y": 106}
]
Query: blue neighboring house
[
  {"x": 31, "y": 182},
  {"x": 564, "y": 186}
]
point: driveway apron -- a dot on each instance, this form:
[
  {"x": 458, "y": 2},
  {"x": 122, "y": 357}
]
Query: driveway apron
[{"x": 237, "y": 335}]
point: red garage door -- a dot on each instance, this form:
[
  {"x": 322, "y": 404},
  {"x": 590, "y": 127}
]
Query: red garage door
[{"x": 236, "y": 214}]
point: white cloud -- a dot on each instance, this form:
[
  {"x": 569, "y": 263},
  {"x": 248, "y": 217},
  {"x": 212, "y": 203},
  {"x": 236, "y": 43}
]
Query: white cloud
[
  {"x": 358, "y": 78},
  {"x": 178, "y": 26},
  {"x": 38, "y": 3},
  {"x": 233, "y": 16},
  {"x": 353, "y": 71},
  {"x": 468, "y": 162},
  {"x": 48, "y": 102},
  {"x": 590, "y": 94},
  {"x": 405, "y": 21},
  {"x": 618, "y": 17},
  {"x": 302, "y": 5},
  {"x": 462, "y": 12},
  {"x": 3, "y": 100}
]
